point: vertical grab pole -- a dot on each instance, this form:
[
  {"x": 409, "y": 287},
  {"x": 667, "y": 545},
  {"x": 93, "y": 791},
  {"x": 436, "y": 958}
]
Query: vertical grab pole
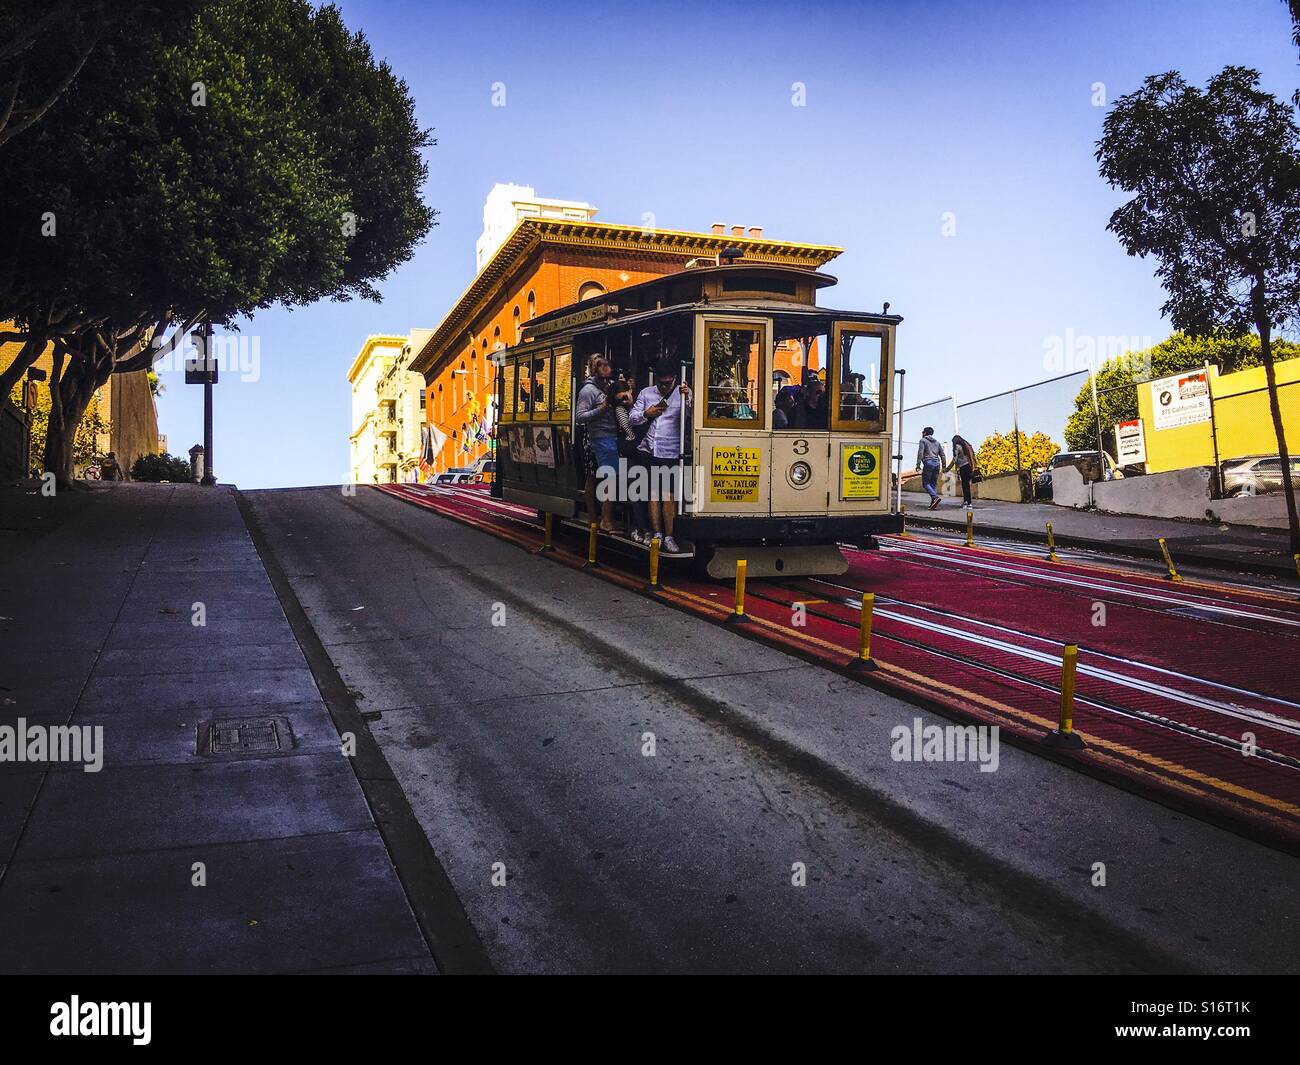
[
  {"x": 681, "y": 443},
  {"x": 1051, "y": 545},
  {"x": 591, "y": 562},
  {"x": 898, "y": 458},
  {"x": 970, "y": 528}
]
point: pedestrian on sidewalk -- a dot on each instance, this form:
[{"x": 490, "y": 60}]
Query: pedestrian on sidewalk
[
  {"x": 930, "y": 459},
  {"x": 963, "y": 461}
]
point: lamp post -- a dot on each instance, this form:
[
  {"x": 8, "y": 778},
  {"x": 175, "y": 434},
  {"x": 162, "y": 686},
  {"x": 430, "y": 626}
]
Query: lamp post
[{"x": 203, "y": 371}]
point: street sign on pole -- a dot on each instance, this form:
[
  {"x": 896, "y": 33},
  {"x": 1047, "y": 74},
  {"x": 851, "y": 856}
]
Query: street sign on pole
[{"x": 202, "y": 370}]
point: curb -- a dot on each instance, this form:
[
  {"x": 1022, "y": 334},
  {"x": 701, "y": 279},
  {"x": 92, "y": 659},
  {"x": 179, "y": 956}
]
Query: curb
[{"x": 1281, "y": 568}]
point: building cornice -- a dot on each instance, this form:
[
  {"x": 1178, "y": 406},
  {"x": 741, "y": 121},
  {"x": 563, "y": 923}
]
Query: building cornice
[
  {"x": 375, "y": 340},
  {"x": 531, "y": 233}
]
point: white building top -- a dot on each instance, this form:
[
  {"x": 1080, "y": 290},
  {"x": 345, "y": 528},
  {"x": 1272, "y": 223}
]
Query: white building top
[{"x": 506, "y": 204}]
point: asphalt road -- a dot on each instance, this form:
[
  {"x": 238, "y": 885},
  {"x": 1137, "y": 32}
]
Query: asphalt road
[{"x": 515, "y": 699}]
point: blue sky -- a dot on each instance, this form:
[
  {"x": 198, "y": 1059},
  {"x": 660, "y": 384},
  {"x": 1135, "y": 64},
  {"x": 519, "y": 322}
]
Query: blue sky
[{"x": 914, "y": 112}]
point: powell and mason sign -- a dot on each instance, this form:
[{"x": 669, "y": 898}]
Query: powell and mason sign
[{"x": 570, "y": 321}]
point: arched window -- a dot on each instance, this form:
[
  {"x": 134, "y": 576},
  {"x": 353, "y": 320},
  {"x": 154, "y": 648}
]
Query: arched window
[
  {"x": 518, "y": 330},
  {"x": 532, "y": 306},
  {"x": 588, "y": 289}
]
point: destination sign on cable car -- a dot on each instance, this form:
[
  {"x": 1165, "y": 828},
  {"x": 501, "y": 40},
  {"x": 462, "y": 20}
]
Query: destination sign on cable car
[{"x": 570, "y": 321}]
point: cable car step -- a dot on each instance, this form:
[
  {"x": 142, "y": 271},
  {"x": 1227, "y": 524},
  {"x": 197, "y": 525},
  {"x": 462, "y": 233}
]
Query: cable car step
[
  {"x": 687, "y": 548},
  {"x": 796, "y": 560}
]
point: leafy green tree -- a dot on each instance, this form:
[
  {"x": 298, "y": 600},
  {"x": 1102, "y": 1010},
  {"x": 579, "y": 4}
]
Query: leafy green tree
[
  {"x": 268, "y": 158},
  {"x": 1215, "y": 178},
  {"x": 997, "y": 454},
  {"x": 46, "y": 44},
  {"x": 1117, "y": 379},
  {"x": 164, "y": 467},
  {"x": 93, "y": 427}
]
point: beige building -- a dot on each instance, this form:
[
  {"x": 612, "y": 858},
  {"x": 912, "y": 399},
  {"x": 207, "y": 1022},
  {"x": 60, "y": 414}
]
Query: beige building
[{"x": 387, "y": 409}]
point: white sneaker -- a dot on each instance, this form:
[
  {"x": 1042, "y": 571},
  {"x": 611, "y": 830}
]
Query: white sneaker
[
  {"x": 670, "y": 545},
  {"x": 638, "y": 537}
]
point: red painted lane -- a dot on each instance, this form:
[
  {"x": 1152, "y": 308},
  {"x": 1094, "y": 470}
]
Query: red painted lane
[
  {"x": 998, "y": 685},
  {"x": 1239, "y": 606},
  {"x": 1219, "y": 652}
]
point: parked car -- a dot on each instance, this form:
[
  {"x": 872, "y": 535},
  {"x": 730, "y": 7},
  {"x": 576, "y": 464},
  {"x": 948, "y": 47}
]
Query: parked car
[
  {"x": 1257, "y": 475},
  {"x": 484, "y": 470},
  {"x": 455, "y": 475},
  {"x": 1088, "y": 463}
]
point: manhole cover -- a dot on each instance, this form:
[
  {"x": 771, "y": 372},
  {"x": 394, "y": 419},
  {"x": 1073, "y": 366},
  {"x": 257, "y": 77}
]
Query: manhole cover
[{"x": 245, "y": 735}]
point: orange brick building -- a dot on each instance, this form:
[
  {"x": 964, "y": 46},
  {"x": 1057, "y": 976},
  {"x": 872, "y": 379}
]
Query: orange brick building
[{"x": 543, "y": 264}]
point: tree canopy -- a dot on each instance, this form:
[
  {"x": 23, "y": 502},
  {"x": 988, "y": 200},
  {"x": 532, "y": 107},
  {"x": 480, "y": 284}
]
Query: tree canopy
[
  {"x": 1215, "y": 178},
  {"x": 997, "y": 453},
  {"x": 265, "y": 158},
  {"x": 1117, "y": 378}
]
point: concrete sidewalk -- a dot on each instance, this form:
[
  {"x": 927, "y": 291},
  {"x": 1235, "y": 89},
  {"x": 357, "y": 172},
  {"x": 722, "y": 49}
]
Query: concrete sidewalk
[
  {"x": 100, "y": 871},
  {"x": 1232, "y": 546}
]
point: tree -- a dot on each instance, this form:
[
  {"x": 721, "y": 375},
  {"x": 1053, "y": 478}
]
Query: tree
[
  {"x": 997, "y": 454},
  {"x": 162, "y": 467},
  {"x": 1117, "y": 379},
  {"x": 1216, "y": 183},
  {"x": 93, "y": 427},
  {"x": 46, "y": 44},
  {"x": 1294, "y": 5},
  {"x": 267, "y": 158}
]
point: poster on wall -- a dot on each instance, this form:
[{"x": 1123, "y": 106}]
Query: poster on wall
[
  {"x": 1130, "y": 444},
  {"x": 525, "y": 452},
  {"x": 735, "y": 475},
  {"x": 859, "y": 471},
  {"x": 1183, "y": 399},
  {"x": 544, "y": 446}
]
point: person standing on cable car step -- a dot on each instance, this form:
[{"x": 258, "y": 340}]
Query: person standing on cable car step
[
  {"x": 963, "y": 461},
  {"x": 661, "y": 406},
  {"x": 600, "y": 447},
  {"x": 930, "y": 459}
]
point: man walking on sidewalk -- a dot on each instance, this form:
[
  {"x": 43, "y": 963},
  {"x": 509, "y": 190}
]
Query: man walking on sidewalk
[{"x": 930, "y": 459}]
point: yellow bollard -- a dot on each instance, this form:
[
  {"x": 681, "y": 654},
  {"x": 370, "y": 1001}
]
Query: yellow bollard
[
  {"x": 902, "y": 513},
  {"x": 1296, "y": 560},
  {"x": 1065, "y": 736},
  {"x": 653, "y": 586},
  {"x": 970, "y": 528},
  {"x": 739, "y": 613},
  {"x": 548, "y": 524},
  {"x": 591, "y": 562},
  {"x": 864, "y": 661},
  {"x": 1172, "y": 575},
  {"x": 1051, "y": 545}
]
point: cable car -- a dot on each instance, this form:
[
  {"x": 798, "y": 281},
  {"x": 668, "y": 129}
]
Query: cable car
[{"x": 758, "y": 478}]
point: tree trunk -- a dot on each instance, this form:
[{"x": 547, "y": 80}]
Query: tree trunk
[
  {"x": 1275, "y": 408},
  {"x": 69, "y": 398}
]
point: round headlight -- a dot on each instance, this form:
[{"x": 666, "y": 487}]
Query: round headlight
[{"x": 800, "y": 474}]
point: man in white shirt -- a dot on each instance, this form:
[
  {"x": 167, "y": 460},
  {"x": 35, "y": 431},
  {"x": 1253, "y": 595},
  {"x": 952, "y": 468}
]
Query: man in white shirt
[{"x": 661, "y": 406}]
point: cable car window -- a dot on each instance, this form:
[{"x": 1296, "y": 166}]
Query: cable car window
[
  {"x": 511, "y": 391},
  {"x": 736, "y": 390},
  {"x": 858, "y": 371},
  {"x": 541, "y": 376},
  {"x": 563, "y": 381}
]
